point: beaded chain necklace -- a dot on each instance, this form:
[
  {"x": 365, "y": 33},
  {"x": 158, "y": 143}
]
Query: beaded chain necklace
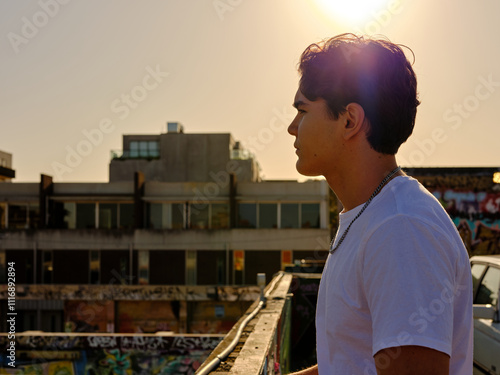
[{"x": 377, "y": 190}]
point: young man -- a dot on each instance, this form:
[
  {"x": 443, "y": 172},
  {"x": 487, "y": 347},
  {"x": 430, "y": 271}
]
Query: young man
[{"x": 396, "y": 292}]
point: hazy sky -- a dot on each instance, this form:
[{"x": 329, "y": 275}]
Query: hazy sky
[{"x": 77, "y": 75}]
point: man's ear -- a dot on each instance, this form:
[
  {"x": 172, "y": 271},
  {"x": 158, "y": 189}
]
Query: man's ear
[{"x": 354, "y": 118}]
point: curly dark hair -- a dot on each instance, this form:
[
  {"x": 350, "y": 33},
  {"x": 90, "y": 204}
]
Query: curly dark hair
[{"x": 374, "y": 73}]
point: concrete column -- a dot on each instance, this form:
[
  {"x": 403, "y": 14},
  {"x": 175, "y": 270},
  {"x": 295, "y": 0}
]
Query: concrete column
[
  {"x": 45, "y": 191},
  {"x": 232, "y": 201},
  {"x": 139, "y": 184}
]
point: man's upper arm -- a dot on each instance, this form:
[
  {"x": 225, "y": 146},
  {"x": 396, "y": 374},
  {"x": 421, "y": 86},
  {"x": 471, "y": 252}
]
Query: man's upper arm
[
  {"x": 406, "y": 275},
  {"x": 411, "y": 360}
]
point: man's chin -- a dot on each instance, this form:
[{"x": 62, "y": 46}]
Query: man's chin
[{"x": 305, "y": 171}]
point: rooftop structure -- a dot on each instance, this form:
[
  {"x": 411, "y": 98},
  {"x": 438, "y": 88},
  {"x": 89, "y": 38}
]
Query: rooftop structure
[{"x": 6, "y": 171}]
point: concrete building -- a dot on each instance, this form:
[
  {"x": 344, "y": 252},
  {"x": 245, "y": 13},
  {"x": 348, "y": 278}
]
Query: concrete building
[
  {"x": 182, "y": 211},
  {"x": 179, "y": 157}
]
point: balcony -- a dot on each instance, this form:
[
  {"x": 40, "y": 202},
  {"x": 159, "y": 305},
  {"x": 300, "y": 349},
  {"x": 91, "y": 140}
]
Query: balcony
[{"x": 135, "y": 154}]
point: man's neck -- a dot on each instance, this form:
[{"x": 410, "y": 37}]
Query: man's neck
[{"x": 355, "y": 184}]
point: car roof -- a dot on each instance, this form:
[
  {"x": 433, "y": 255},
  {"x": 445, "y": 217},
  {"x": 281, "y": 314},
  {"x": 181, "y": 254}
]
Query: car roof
[{"x": 491, "y": 259}]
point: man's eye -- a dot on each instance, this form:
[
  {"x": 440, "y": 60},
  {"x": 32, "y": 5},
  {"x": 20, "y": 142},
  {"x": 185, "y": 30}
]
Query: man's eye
[{"x": 301, "y": 111}]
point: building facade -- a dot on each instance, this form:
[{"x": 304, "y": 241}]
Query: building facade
[{"x": 185, "y": 211}]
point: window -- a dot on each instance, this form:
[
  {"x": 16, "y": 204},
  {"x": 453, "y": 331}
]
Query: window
[
  {"x": 190, "y": 267},
  {"x": 108, "y": 215},
  {"x": 114, "y": 267},
  {"x": 65, "y": 271},
  {"x": 165, "y": 215},
  {"x": 144, "y": 149},
  {"x": 3, "y": 215},
  {"x": 261, "y": 261},
  {"x": 155, "y": 215},
  {"x": 212, "y": 270},
  {"x": 213, "y": 216},
  {"x": 289, "y": 215},
  {"x": 85, "y": 215},
  {"x": 167, "y": 267},
  {"x": 219, "y": 216},
  {"x": 268, "y": 215},
  {"x": 477, "y": 270},
  {"x": 247, "y": 215},
  {"x": 177, "y": 216},
  {"x": 134, "y": 149},
  {"x": 95, "y": 266},
  {"x": 199, "y": 217},
  {"x": 18, "y": 216},
  {"x": 143, "y": 267},
  {"x": 47, "y": 267},
  {"x": 126, "y": 216},
  {"x": 33, "y": 215},
  {"x": 24, "y": 260},
  {"x": 69, "y": 213},
  {"x": 154, "y": 149},
  {"x": 310, "y": 215},
  {"x": 488, "y": 289}
]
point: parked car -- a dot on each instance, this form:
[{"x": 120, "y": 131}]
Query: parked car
[{"x": 486, "y": 286}]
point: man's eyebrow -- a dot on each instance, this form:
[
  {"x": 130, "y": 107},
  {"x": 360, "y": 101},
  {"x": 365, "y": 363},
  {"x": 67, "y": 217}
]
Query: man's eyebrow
[{"x": 298, "y": 103}]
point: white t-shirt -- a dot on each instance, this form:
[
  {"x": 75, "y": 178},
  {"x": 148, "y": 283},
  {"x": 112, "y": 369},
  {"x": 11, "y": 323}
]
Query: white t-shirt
[{"x": 401, "y": 277}]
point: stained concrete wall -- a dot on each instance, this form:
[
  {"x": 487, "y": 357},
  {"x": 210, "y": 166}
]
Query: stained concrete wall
[{"x": 185, "y": 157}]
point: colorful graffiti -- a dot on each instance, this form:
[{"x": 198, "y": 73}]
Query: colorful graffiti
[
  {"x": 52, "y": 368},
  {"x": 109, "y": 354},
  {"x": 477, "y": 217}
]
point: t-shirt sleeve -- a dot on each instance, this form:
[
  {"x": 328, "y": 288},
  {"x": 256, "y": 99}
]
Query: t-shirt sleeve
[{"x": 408, "y": 278}]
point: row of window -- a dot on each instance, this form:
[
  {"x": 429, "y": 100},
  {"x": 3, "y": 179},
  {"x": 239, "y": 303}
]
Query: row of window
[
  {"x": 145, "y": 267},
  {"x": 76, "y": 215},
  {"x": 19, "y": 215},
  {"x": 144, "y": 149}
]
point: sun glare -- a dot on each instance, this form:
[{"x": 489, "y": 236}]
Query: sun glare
[{"x": 354, "y": 13}]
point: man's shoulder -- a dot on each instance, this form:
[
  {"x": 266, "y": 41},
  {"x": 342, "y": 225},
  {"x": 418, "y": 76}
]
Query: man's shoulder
[
  {"x": 407, "y": 198},
  {"x": 409, "y": 202}
]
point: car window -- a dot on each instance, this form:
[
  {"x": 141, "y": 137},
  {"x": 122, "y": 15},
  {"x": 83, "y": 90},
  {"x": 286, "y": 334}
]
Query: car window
[
  {"x": 477, "y": 270},
  {"x": 488, "y": 289}
]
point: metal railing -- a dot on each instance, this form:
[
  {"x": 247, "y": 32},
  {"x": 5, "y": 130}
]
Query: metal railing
[{"x": 139, "y": 154}]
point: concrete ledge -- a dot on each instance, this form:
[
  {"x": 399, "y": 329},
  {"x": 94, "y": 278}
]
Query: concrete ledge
[{"x": 258, "y": 349}]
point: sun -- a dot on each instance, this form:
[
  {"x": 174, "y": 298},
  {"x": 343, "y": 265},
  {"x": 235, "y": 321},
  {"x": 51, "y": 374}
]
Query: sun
[{"x": 355, "y": 13}]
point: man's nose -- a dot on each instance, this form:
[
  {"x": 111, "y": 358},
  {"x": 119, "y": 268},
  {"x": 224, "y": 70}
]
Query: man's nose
[{"x": 292, "y": 128}]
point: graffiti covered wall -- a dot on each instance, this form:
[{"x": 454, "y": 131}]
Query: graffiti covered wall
[
  {"x": 472, "y": 199},
  {"x": 108, "y": 354}
]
